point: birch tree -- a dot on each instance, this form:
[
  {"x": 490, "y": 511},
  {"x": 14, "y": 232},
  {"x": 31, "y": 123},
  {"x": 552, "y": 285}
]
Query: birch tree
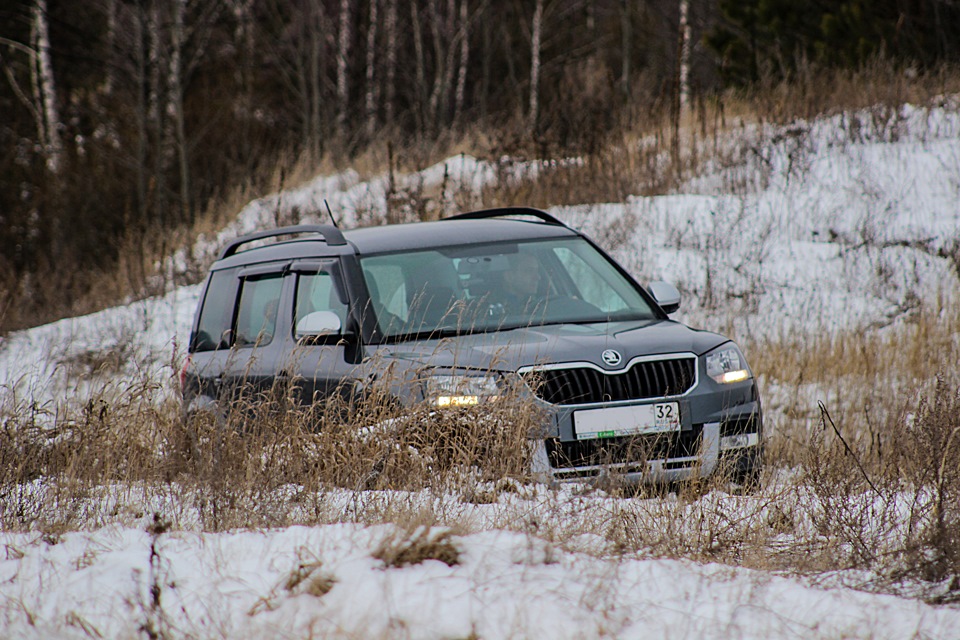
[
  {"x": 45, "y": 90},
  {"x": 535, "y": 37},
  {"x": 684, "y": 62},
  {"x": 680, "y": 90}
]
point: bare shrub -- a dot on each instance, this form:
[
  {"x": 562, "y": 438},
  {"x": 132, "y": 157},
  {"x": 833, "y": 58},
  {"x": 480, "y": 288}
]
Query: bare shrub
[
  {"x": 928, "y": 461},
  {"x": 308, "y": 578},
  {"x": 887, "y": 506}
]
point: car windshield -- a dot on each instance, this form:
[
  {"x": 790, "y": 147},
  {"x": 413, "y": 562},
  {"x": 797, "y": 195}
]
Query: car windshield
[{"x": 497, "y": 286}]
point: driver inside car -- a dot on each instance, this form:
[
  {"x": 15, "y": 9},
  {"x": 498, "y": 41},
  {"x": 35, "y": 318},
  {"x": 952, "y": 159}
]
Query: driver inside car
[{"x": 520, "y": 291}]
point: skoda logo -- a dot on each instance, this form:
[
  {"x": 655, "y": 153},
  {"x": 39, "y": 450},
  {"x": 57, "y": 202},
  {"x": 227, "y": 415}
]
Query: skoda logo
[{"x": 610, "y": 357}]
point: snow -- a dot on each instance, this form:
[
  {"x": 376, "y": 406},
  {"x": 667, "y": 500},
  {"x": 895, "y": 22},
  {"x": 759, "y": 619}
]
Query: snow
[
  {"x": 845, "y": 222},
  {"x": 506, "y": 585}
]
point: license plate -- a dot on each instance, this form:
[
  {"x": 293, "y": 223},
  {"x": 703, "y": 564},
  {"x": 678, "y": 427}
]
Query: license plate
[{"x": 590, "y": 424}]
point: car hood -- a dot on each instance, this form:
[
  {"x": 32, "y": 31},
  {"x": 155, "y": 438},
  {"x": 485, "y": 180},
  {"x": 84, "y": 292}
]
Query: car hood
[{"x": 510, "y": 350}]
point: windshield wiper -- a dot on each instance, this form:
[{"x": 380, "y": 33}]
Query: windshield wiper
[
  {"x": 613, "y": 317},
  {"x": 434, "y": 333}
]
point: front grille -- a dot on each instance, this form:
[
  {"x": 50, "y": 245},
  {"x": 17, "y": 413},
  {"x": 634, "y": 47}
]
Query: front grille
[
  {"x": 584, "y": 385},
  {"x": 658, "y": 446}
]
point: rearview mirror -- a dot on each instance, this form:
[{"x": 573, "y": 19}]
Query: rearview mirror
[
  {"x": 318, "y": 323},
  {"x": 666, "y": 295}
]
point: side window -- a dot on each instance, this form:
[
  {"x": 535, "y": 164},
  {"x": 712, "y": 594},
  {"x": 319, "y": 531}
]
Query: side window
[
  {"x": 257, "y": 310},
  {"x": 213, "y": 330},
  {"x": 316, "y": 292},
  {"x": 591, "y": 285}
]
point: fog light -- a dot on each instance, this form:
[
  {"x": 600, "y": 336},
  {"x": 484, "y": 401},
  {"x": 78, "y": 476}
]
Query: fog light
[
  {"x": 457, "y": 401},
  {"x": 739, "y": 441},
  {"x": 733, "y": 376},
  {"x": 460, "y": 390}
]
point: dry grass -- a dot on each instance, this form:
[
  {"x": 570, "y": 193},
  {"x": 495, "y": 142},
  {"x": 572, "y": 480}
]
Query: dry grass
[
  {"x": 870, "y": 381},
  {"x": 815, "y": 91},
  {"x": 245, "y": 468},
  {"x": 403, "y": 548}
]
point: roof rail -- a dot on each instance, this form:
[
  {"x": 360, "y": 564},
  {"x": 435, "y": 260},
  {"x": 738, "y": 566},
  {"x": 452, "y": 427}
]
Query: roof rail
[
  {"x": 331, "y": 235},
  {"x": 504, "y": 212}
]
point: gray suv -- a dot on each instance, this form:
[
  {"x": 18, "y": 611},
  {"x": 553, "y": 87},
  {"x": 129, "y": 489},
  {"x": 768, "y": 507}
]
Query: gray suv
[{"x": 460, "y": 309}]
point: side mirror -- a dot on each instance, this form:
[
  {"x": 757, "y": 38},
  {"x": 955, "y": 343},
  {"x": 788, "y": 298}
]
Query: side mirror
[
  {"x": 666, "y": 295},
  {"x": 316, "y": 324}
]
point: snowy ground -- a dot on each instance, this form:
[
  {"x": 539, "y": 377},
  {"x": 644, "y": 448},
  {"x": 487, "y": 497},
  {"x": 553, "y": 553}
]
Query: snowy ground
[
  {"x": 304, "y": 582},
  {"x": 846, "y": 222}
]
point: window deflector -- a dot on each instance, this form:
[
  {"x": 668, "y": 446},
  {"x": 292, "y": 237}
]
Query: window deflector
[
  {"x": 313, "y": 267},
  {"x": 259, "y": 271}
]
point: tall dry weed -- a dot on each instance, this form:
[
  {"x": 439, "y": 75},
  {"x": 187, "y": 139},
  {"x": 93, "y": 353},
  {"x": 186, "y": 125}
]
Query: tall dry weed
[{"x": 243, "y": 468}]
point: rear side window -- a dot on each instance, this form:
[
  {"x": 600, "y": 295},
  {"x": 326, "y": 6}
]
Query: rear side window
[
  {"x": 257, "y": 310},
  {"x": 213, "y": 330}
]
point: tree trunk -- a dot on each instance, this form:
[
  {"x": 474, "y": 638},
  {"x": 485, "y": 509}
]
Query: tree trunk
[
  {"x": 391, "y": 70},
  {"x": 109, "y": 68},
  {"x": 464, "y": 58},
  {"x": 679, "y": 84},
  {"x": 45, "y": 90},
  {"x": 626, "y": 45},
  {"x": 244, "y": 34},
  {"x": 314, "y": 80},
  {"x": 534, "y": 107},
  {"x": 437, "y": 32},
  {"x": 684, "y": 55},
  {"x": 175, "y": 102},
  {"x": 421, "y": 72},
  {"x": 485, "y": 56},
  {"x": 140, "y": 60},
  {"x": 370, "y": 102},
  {"x": 155, "y": 127},
  {"x": 343, "y": 55}
]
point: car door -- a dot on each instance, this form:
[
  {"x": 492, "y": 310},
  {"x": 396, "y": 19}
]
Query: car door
[
  {"x": 323, "y": 365},
  {"x": 239, "y": 343},
  {"x": 252, "y": 368}
]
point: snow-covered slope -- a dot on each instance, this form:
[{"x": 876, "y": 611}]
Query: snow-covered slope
[{"x": 823, "y": 227}]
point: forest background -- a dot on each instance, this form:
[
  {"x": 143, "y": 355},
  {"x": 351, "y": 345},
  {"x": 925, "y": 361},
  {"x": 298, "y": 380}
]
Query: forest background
[{"x": 128, "y": 126}]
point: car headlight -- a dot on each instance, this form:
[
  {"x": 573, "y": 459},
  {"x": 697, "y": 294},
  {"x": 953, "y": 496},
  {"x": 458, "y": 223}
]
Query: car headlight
[
  {"x": 727, "y": 364},
  {"x": 460, "y": 390}
]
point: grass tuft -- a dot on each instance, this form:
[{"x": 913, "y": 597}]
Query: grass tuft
[{"x": 403, "y": 548}]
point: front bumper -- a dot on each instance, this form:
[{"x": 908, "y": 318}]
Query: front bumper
[
  {"x": 720, "y": 433},
  {"x": 675, "y": 464}
]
